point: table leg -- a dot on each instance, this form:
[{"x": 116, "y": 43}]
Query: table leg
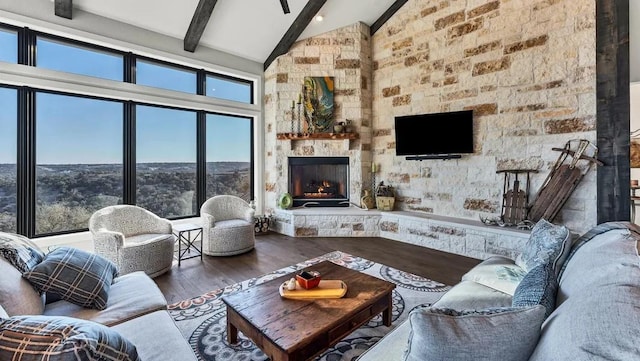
[
  {"x": 387, "y": 313},
  {"x": 232, "y": 333}
]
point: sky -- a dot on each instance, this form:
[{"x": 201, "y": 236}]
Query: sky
[{"x": 74, "y": 130}]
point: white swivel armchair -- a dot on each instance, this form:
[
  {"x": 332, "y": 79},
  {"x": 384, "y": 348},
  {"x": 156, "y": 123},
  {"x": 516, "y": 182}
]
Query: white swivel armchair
[
  {"x": 228, "y": 226},
  {"x": 133, "y": 238}
]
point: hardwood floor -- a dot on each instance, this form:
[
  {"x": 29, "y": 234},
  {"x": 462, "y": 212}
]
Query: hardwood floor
[{"x": 274, "y": 251}]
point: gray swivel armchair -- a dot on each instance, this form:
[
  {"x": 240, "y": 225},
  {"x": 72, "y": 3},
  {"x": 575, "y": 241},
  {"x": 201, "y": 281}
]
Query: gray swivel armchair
[
  {"x": 228, "y": 226},
  {"x": 133, "y": 238}
]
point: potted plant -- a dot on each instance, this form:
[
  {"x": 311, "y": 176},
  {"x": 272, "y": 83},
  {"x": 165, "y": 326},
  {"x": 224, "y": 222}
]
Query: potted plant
[{"x": 385, "y": 197}]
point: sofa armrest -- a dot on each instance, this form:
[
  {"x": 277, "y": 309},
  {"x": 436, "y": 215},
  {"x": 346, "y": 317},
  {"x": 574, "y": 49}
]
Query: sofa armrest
[
  {"x": 208, "y": 220},
  {"x": 106, "y": 237}
]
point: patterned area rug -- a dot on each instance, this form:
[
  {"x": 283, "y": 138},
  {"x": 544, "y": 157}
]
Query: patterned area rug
[{"x": 202, "y": 320}]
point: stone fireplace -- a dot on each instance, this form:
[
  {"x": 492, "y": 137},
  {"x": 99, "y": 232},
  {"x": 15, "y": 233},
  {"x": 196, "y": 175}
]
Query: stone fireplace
[{"x": 319, "y": 181}]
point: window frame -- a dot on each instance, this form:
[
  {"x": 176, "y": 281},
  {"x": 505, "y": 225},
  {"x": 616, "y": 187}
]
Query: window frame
[
  {"x": 234, "y": 79},
  {"x": 33, "y": 42},
  {"x": 168, "y": 64},
  {"x": 17, "y": 30},
  {"x": 125, "y": 91}
]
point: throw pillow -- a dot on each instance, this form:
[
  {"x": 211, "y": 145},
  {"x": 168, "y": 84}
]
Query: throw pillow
[
  {"x": 547, "y": 243},
  {"x": 538, "y": 287},
  {"x": 505, "y": 334},
  {"x": 77, "y": 276},
  {"x": 19, "y": 251},
  {"x": 35, "y": 338}
]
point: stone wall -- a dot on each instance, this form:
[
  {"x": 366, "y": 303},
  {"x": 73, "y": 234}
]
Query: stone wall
[
  {"x": 526, "y": 68},
  {"x": 344, "y": 54}
]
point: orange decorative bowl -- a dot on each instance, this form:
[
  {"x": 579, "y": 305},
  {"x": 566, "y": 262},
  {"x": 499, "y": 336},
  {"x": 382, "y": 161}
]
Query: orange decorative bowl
[{"x": 308, "y": 279}]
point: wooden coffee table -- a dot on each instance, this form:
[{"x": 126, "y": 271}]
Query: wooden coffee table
[{"x": 286, "y": 329}]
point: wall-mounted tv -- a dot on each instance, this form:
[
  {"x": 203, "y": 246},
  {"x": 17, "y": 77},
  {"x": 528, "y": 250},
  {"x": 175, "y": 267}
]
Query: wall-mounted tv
[{"x": 435, "y": 134}]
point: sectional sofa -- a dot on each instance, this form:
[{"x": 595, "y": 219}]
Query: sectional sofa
[
  {"x": 594, "y": 311},
  {"x": 135, "y": 309}
]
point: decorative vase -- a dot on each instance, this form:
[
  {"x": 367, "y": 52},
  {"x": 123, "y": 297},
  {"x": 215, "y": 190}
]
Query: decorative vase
[
  {"x": 338, "y": 128},
  {"x": 367, "y": 200}
]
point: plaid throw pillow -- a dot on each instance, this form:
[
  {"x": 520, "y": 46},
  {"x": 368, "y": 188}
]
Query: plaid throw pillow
[
  {"x": 36, "y": 338},
  {"x": 19, "y": 251},
  {"x": 77, "y": 276}
]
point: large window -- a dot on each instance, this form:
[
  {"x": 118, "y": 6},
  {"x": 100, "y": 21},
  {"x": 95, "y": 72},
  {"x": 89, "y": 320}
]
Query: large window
[
  {"x": 78, "y": 160},
  {"x": 166, "y": 161},
  {"x": 222, "y": 87},
  {"x": 229, "y": 156},
  {"x": 8, "y": 46},
  {"x": 67, "y": 151},
  {"x": 165, "y": 77},
  {"x": 72, "y": 58},
  {"x": 8, "y": 158}
]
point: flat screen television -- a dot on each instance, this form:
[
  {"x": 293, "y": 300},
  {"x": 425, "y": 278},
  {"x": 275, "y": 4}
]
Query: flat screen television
[{"x": 434, "y": 134}]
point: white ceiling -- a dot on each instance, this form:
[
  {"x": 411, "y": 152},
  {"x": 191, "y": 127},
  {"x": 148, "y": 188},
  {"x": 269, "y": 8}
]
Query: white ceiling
[{"x": 247, "y": 28}]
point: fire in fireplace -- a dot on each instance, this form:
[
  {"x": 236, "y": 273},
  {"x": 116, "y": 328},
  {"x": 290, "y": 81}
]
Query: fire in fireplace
[{"x": 319, "y": 181}]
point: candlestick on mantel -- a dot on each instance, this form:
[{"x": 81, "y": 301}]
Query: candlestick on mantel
[
  {"x": 300, "y": 98},
  {"x": 373, "y": 168}
]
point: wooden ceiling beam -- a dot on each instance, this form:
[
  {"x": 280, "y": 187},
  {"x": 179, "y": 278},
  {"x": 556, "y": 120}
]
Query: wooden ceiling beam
[
  {"x": 304, "y": 18},
  {"x": 198, "y": 23},
  {"x": 386, "y": 16},
  {"x": 285, "y": 6},
  {"x": 64, "y": 8}
]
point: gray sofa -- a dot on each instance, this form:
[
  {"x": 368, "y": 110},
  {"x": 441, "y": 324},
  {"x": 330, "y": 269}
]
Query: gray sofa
[
  {"x": 597, "y": 307},
  {"x": 135, "y": 308}
]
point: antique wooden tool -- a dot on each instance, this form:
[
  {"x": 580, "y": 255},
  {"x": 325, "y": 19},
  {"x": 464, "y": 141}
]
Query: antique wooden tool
[
  {"x": 515, "y": 195},
  {"x": 575, "y": 160}
]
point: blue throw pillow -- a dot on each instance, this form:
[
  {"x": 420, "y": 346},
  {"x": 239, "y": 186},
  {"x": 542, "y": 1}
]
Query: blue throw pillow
[
  {"x": 506, "y": 334},
  {"x": 547, "y": 243},
  {"x": 57, "y": 338},
  {"x": 75, "y": 275},
  {"x": 538, "y": 287}
]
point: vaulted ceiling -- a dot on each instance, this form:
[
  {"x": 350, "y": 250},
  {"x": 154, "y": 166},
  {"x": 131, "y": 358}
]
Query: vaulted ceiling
[{"x": 258, "y": 30}]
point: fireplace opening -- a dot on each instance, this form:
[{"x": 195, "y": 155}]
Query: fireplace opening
[{"x": 319, "y": 181}]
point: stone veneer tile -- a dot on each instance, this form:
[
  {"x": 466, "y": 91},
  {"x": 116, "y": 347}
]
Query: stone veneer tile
[
  {"x": 491, "y": 66},
  {"x": 483, "y": 109},
  {"x": 402, "y": 44},
  {"x": 282, "y": 78},
  {"x": 449, "y": 20},
  {"x": 381, "y": 132},
  {"x": 483, "y": 9},
  {"x": 484, "y": 48},
  {"x": 307, "y": 60},
  {"x": 306, "y": 232},
  {"x": 402, "y": 100},
  {"x": 465, "y": 28},
  {"x": 527, "y": 44},
  {"x": 416, "y": 59},
  {"x": 428, "y": 11},
  {"x": 387, "y": 226},
  {"x": 482, "y": 205},
  {"x": 525, "y": 108},
  {"x": 457, "y": 67},
  {"x": 391, "y": 91},
  {"x": 460, "y": 94},
  {"x": 548, "y": 85},
  {"x": 571, "y": 125},
  {"x": 347, "y": 64}
]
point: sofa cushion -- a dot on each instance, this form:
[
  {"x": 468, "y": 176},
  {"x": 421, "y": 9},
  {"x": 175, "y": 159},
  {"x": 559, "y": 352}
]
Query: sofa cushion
[
  {"x": 538, "y": 287},
  {"x": 20, "y": 251},
  {"x": 598, "y": 302},
  {"x": 17, "y": 295},
  {"x": 468, "y": 295},
  {"x": 75, "y": 275},
  {"x": 157, "y": 338},
  {"x": 506, "y": 334},
  {"x": 499, "y": 273},
  {"x": 547, "y": 243},
  {"x": 35, "y": 338},
  {"x": 130, "y": 296},
  {"x": 140, "y": 239}
]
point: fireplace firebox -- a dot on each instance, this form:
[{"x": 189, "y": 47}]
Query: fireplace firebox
[{"x": 319, "y": 181}]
